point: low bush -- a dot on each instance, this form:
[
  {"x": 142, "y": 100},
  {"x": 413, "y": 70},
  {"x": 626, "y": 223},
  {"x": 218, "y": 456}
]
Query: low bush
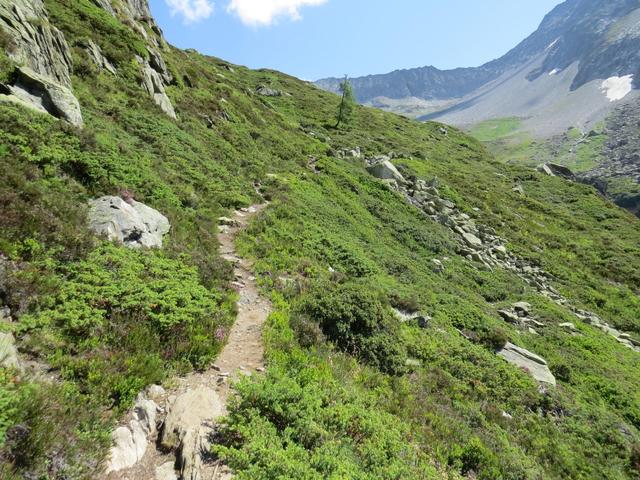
[{"x": 357, "y": 319}]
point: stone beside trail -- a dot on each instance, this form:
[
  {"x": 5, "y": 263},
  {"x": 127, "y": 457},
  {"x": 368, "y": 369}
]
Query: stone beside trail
[
  {"x": 131, "y": 223},
  {"x": 176, "y": 445}
]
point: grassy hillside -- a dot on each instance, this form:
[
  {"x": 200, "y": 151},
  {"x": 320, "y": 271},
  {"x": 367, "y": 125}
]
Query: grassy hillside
[{"x": 350, "y": 392}]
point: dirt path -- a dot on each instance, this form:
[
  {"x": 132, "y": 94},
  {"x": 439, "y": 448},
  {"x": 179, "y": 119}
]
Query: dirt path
[{"x": 243, "y": 354}]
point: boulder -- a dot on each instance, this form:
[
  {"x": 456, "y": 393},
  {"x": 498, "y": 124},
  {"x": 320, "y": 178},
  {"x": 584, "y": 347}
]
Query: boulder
[
  {"x": 267, "y": 91},
  {"x": 555, "y": 170},
  {"x": 533, "y": 364},
  {"x": 133, "y": 224},
  {"x": 385, "y": 170},
  {"x": 8, "y": 351},
  {"x": 522, "y": 308},
  {"x": 569, "y": 326},
  {"x": 509, "y": 316},
  {"x": 518, "y": 189},
  {"x": 471, "y": 240},
  {"x": 39, "y": 92},
  {"x": 43, "y": 77}
]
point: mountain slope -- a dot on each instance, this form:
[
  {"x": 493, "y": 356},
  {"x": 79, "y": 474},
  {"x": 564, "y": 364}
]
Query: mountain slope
[
  {"x": 579, "y": 42},
  {"x": 381, "y": 349}
]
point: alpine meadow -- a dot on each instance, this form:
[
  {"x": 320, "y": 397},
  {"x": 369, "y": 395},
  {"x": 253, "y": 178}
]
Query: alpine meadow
[{"x": 213, "y": 272}]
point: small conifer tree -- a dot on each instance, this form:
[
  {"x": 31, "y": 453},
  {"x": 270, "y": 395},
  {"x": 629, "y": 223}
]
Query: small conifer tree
[{"x": 347, "y": 108}]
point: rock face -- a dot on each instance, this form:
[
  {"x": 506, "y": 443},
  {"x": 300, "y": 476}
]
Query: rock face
[
  {"x": 620, "y": 160},
  {"x": 43, "y": 78},
  {"x": 39, "y": 92},
  {"x": 186, "y": 430},
  {"x": 95, "y": 53},
  {"x": 135, "y": 225},
  {"x": 130, "y": 442},
  {"x": 531, "y": 362},
  {"x": 153, "y": 83}
]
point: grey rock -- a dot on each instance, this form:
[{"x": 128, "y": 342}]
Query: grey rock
[
  {"x": 135, "y": 225},
  {"x": 158, "y": 64},
  {"x": 518, "y": 189},
  {"x": 533, "y": 364},
  {"x": 155, "y": 392},
  {"x": 438, "y": 266},
  {"x": 500, "y": 251},
  {"x": 95, "y": 53},
  {"x": 556, "y": 170},
  {"x": 522, "y": 307},
  {"x": 471, "y": 240},
  {"x": 267, "y": 91},
  {"x": 36, "y": 91},
  {"x": 385, "y": 170},
  {"x": 38, "y": 46},
  {"x": 187, "y": 413},
  {"x": 8, "y": 351},
  {"x": 186, "y": 429},
  {"x": 153, "y": 83},
  {"x": 568, "y": 326},
  {"x": 509, "y": 316},
  {"x": 105, "y": 5},
  {"x": 130, "y": 442},
  {"x": 166, "y": 471}
]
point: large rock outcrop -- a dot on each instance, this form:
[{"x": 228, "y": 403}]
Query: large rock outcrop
[
  {"x": 43, "y": 77},
  {"x": 154, "y": 84},
  {"x": 95, "y": 53},
  {"x": 134, "y": 224}
]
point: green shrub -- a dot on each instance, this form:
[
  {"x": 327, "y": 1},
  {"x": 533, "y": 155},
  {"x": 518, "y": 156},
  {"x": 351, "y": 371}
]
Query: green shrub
[
  {"x": 355, "y": 318},
  {"x": 495, "y": 338},
  {"x": 149, "y": 311}
]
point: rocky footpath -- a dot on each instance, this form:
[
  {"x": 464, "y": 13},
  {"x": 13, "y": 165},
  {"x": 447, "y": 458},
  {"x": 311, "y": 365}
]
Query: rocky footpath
[
  {"x": 481, "y": 244},
  {"x": 168, "y": 434}
]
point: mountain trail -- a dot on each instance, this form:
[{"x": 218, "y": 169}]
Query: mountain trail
[{"x": 187, "y": 410}]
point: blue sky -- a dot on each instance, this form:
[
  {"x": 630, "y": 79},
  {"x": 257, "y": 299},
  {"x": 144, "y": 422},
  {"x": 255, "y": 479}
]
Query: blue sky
[{"x": 312, "y": 39}]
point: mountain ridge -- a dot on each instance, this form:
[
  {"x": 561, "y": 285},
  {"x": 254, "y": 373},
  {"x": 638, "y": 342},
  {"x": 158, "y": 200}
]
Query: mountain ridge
[{"x": 574, "y": 31}]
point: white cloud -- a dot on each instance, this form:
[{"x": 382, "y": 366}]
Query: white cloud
[
  {"x": 263, "y": 12},
  {"x": 191, "y": 10}
]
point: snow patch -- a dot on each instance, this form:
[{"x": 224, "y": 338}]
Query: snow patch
[
  {"x": 616, "y": 88},
  {"x": 553, "y": 44},
  {"x": 555, "y": 71}
]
